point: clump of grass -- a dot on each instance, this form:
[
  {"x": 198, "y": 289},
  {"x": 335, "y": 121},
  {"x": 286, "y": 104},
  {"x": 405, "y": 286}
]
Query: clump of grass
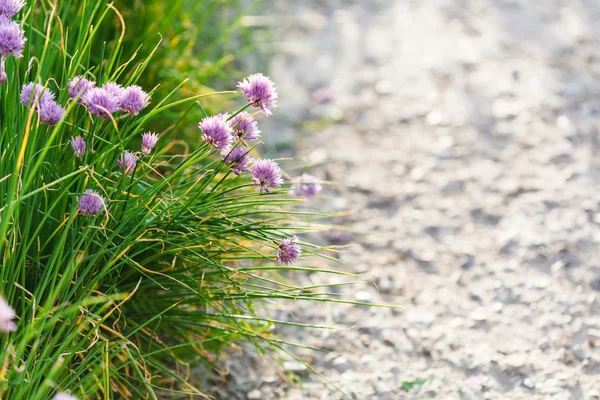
[{"x": 125, "y": 259}]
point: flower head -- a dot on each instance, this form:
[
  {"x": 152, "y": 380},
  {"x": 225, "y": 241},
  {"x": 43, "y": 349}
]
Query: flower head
[
  {"x": 127, "y": 162},
  {"x": 31, "y": 92},
  {"x": 149, "y": 140},
  {"x": 78, "y": 145},
  {"x": 8, "y": 8},
  {"x": 12, "y": 37},
  {"x": 134, "y": 99},
  {"x": 260, "y": 92},
  {"x": 91, "y": 203},
  {"x": 64, "y": 396},
  {"x": 79, "y": 86},
  {"x": 244, "y": 126},
  {"x": 238, "y": 160},
  {"x": 289, "y": 251},
  {"x": 306, "y": 185},
  {"x": 217, "y": 132},
  {"x": 102, "y": 102},
  {"x": 266, "y": 173},
  {"x": 51, "y": 112},
  {"x": 6, "y": 317},
  {"x": 115, "y": 90}
]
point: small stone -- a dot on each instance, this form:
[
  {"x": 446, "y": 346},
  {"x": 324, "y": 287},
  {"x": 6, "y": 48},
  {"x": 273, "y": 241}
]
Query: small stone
[
  {"x": 254, "y": 395},
  {"x": 318, "y": 156},
  {"x": 426, "y": 350},
  {"x": 365, "y": 339},
  {"x": 476, "y": 382},
  {"x": 443, "y": 145},
  {"x": 383, "y": 87},
  {"x": 294, "y": 366},
  {"x": 364, "y": 297},
  {"x": 564, "y": 123},
  {"x": 454, "y": 187},
  {"x": 341, "y": 364},
  {"x": 594, "y": 394},
  {"x": 385, "y": 285},
  {"x": 529, "y": 383},
  {"x": 468, "y": 261},
  {"x": 478, "y": 316},
  {"x": 543, "y": 344},
  {"x": 594, "y": 338},
  {"x": 399, "y": 170},
  {"x": 509, "y": 247},
  {"x": 505, "y": 108},
  {"x": 381, "y": 387},
  {"x": 339, "y": 203},
  {"x": 389, "y": 342},
  {"x": 435, "y": 117},
  {"x": 581, "y": 354},
  {"x": 360, "y": 268}
]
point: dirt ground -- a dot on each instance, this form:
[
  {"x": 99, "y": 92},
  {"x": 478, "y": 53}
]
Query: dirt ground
[{"x": 464, "y": 136}]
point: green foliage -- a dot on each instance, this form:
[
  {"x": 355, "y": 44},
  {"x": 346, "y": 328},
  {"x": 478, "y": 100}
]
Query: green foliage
[
  {"x": 200, "y": 43},
  {"x": 119, "y": 305},
  {"x": 408, "y": 385}
]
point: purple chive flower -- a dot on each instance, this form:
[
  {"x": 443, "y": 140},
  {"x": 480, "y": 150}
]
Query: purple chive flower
[
  {"x": 78, "y": 145},
  {"x": 127, "y": 162},
  {"x": 260, "y": 92},
  {"x": 64, "y": 396},
  {"x": 115, "y": 90},
  {"x": 289, "y": 251},
  {"x": 91, "y": 203},
  {"x": 51, "y": 112},
  {"x": 149, "y": 140},
  {"x": 78, "y": 87},
  {"x": 31, "y": 92},
  {"x": 238, "y": 160},
  {"x": 12, "y": 38},
  {"x": 244, "y": 127},
  {"x": 102, "y": 102},
  {"x": 217, "y": 132},
  {"x": 6, "y": 317},
  {"x": 134, "y": 99},
  {"x": 306, "y": 186},
  {"x": 266, "y": 174},
  {"x": 8, "y": 8},
  {"x": 12, "y": 42}
]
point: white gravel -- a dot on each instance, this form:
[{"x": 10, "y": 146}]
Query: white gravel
[{"x": 467, "y": 133}]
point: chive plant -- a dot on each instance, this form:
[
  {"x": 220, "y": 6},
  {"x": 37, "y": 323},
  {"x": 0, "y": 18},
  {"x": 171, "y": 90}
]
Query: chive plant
[{"x": 124, "y": 256}]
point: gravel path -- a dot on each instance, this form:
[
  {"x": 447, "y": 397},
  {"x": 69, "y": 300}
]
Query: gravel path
[{"x": 466, "y": 131}]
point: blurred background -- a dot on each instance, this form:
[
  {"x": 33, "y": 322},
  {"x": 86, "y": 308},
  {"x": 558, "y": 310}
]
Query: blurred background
[{"x": 462, "y": 136}]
